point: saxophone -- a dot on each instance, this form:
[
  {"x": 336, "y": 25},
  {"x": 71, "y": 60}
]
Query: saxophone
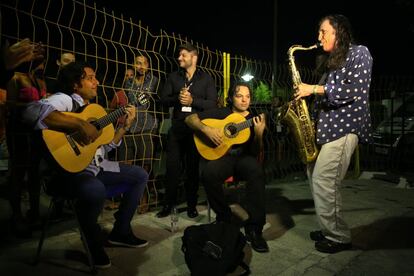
[{"x": 295, "y": 114}]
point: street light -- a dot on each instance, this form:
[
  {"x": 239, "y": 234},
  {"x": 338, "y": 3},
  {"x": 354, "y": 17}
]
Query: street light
[{"x": 247, "y": 77}]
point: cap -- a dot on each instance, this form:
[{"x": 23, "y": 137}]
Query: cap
[{"x": 189, "y": 47}]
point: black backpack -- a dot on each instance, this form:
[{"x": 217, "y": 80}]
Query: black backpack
[{"x": 214, "y": 249}]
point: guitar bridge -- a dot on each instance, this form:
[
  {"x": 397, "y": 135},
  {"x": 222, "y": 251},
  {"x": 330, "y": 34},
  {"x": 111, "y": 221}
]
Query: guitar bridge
[{"x": 73, "y": 145}]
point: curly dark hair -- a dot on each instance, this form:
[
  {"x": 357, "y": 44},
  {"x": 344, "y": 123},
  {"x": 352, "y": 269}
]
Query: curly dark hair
[
  {"x": 69, "y": 75},
  {"x": 234, "y": 88},
  {"x": 344, "y": 38}
]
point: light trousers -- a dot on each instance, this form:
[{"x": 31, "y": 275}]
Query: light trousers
[{"x": 325, "y": 176}]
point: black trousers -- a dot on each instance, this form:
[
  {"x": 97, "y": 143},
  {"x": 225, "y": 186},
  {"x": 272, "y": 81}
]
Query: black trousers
[
  {"x": 182, "y": 156},
  {"x": 244, "y": 167},
  {"x": 24, "y": 158}
]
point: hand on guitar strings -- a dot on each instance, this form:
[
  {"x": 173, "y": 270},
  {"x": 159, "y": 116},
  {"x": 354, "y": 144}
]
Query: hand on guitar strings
[
  {"x": 214, "y": 134},
  {"x": 86, "y": 134}
]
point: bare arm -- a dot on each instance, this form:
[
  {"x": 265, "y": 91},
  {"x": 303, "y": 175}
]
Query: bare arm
[
  {"x": 21, "y": 52},
  {"x": 16, "y": 54},
  {"x": 194, "y": 122},
  {"x": 59, "y": 121},
  {"x": 214, "y": 134}
]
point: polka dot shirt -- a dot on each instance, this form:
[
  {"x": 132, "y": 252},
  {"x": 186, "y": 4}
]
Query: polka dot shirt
[{"x": 344, "y": 108}]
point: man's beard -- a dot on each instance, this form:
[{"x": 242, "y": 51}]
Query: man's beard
[{"x": 140, "y": 74}]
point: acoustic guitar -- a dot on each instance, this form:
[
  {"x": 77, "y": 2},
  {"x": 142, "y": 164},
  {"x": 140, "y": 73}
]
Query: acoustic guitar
[
  {"x": 235, "y": 130},
  {"x": 70, "y": 155}
]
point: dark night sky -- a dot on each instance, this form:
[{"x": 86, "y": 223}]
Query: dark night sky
[{"x": 247, "y": 29}]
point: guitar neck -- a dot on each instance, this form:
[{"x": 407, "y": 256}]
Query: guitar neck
[
  {"x": 110, "y": 118},
  {"x": 246, "y": 124}
]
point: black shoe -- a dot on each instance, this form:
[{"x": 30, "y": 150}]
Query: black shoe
[
  {"x": 316, "y": 236},
  {"x": 166, "y": 211},
  {"x": 328, "y": 246},
  {"x": 128, "y": 240},
  {"x": 192, "y": 212},
  {"x": 256, "y": 240},
  {"x": 99, "y": 257}
]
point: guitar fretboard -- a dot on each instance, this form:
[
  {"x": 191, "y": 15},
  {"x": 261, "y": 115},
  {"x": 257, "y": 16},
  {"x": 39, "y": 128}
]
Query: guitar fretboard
[
  {"x": 231, "y": 130},
  {"x": 110, "y": 118},
  {"x": 245, "y": 124}
]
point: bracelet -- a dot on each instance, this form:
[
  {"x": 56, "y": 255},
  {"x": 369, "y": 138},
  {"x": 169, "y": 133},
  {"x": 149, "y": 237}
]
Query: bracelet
[{"x": 314, "y": 89}]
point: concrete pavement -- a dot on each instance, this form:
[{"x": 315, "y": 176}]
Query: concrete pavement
[{"x": 380, "y": 213}]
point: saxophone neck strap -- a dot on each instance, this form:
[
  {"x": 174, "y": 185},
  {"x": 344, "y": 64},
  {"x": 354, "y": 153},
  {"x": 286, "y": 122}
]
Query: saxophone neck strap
[{"x": 322, "y": 80}]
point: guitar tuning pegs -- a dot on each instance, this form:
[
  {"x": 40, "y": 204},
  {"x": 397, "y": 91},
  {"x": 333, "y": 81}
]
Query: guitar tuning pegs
[{"x": 142, "y": 99}]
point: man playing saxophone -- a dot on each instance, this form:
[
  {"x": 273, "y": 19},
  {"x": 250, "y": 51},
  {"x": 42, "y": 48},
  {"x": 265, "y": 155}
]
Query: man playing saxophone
[{"x": 343, "y": 121}]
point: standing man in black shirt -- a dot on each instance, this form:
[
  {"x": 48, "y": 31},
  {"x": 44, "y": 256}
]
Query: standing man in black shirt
[{"x": 187, "y": 90}]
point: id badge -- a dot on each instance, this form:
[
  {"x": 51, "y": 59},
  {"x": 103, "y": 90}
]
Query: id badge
[{"x": 186, "y": 108}]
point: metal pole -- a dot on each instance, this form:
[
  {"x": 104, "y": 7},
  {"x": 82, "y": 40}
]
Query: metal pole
[
  {"x": 274, "y": 64},
  {"x": 224, "y": 78}
]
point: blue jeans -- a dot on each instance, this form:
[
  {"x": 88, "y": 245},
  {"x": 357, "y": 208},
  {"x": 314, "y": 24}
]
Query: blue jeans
[{"x": 91, "y": 192}]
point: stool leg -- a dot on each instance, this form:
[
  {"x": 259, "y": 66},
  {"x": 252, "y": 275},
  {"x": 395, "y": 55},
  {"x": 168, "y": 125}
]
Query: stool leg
[
  {"x": 43, "y": 233},
  {"x": 208, "y": 211},
  {"x": 154, "y": 189}
]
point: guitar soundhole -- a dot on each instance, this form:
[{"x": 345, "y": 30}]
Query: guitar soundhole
[
  {"x": 230, "y": 130},
  {"x": 95, "y": 124}
]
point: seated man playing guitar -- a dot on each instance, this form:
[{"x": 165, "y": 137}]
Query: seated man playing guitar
[
  {"x": 90, "y": 183},
  {"x": 239, "y": 160}
]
